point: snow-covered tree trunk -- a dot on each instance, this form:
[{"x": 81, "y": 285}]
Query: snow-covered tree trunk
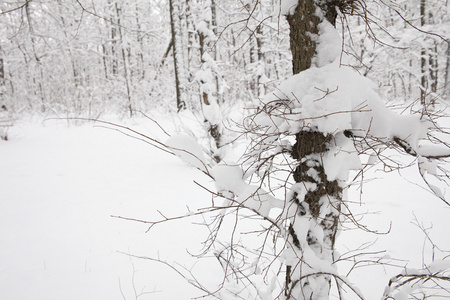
[
  {"x": 208, "y": 77},
  {"x": 316, "y": 198}
]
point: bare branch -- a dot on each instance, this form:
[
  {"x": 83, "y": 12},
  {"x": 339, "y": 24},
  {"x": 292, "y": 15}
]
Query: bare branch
[{"x": 16, "y": 8}]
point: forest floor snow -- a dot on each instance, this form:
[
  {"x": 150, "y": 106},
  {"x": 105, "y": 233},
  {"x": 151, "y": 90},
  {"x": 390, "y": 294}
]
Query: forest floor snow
[{"x": 60, "y": 186}]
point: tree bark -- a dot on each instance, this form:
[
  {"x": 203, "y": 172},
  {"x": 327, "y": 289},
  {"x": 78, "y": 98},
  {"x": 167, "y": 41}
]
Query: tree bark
[
  {"x": 303, "y": 26},
  {"x": 303, "y": 23}
]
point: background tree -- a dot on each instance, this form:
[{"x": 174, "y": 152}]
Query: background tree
[
  {"x": 209, "y": 76},
  {"x": 178, "y": 53}
]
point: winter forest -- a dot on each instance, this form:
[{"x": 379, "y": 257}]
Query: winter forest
[{"x": 224, "y": 149}]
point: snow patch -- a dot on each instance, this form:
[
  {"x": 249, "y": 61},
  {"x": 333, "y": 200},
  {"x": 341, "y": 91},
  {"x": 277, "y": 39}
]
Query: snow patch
[
  {"x": 228, "y": 178},
  {"x": 328, "y": 44},
  {"x": 187, "y": 148},
  {"x": 286, "y": 7}
]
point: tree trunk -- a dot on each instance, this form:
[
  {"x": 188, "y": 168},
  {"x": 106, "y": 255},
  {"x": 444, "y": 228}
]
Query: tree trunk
[
  {"x": 434, "y": 68},
  {"x": 214, "y": 48},
  {"x": 302, "y": 24},
  {"x": 75, "y": 73},
  {"x": 214, "y": 18},
  {"x": 209, "y": 100},
  {"x": 125, "y": 62},
  {"x": 140, "y": 41},
  {"x": 114, "y": 62},
  {"x": 2, "y": 72},
  {"x": 37, "y": 60},
  {"x": 323, "y": 203},
  {"x": 423, "y": 58},
  {"x": 174, "y": 7},
  {"x": 191, "y": 38},
  {"x": 447, "y": 71},
  {"x": 259, "y": 36}
]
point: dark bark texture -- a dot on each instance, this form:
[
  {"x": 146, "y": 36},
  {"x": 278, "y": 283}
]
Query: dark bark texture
[{"x": 303, "y": 23}]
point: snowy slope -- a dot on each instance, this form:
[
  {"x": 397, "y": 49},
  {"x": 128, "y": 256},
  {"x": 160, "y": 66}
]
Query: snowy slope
[{"x": 59, "y": 186}]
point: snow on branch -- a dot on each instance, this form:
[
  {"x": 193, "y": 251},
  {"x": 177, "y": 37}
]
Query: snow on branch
[{"x": 411, "y": 281}]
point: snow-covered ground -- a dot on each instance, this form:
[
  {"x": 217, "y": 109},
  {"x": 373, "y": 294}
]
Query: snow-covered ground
[{"x": 60, "y": 186}]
